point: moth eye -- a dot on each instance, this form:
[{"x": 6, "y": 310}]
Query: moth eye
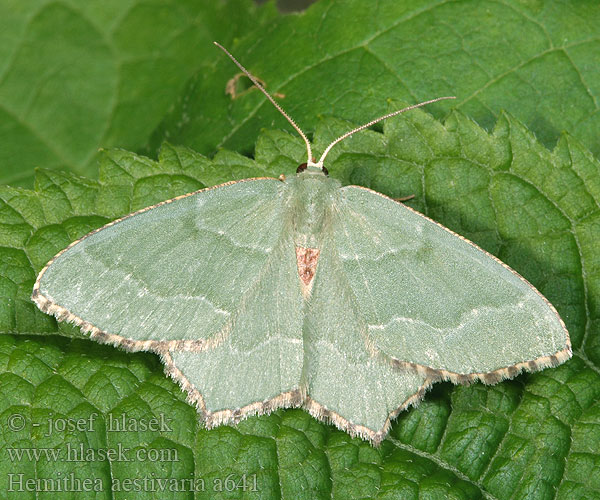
[
  {"x": 301, "y": 168},
  {"x": 325, "y": 171}
]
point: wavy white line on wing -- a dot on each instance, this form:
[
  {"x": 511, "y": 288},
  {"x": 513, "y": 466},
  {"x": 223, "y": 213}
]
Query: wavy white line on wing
[{"x": 465, "y": 319}]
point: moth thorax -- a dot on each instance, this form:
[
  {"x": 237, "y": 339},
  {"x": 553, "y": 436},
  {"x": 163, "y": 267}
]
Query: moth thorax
[
  {"x": 309, "y": 228},
  {"x": 313, "y": 202}
]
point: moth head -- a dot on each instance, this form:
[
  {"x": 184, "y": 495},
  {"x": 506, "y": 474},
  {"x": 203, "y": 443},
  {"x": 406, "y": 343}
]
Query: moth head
[
  {"x": 311, "y": 167},
  {"x": 310, "y": 162}
]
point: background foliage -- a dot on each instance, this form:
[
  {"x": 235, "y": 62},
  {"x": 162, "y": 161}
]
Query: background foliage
[{"x": 79, "y": 76}]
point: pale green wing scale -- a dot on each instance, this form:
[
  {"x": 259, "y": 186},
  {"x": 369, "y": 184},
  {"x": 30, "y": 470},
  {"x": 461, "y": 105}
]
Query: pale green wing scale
[
  {"x": 190, "y": 274},
  {"x": 436, "y": 302},
  {"x": 230, "y": 231},
  {"x": 346, "y": 382}
]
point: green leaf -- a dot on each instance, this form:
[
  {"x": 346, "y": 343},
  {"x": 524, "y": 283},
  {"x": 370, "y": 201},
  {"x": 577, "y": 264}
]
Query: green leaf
[
  {"x": 534, "y": 437},
  {"x": 75, "y": 76},
  {"x": 539, "y": 61}
]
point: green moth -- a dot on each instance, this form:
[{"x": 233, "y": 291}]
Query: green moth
[{"x": 298, "y": 292}]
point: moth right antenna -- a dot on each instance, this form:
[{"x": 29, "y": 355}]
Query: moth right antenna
[{"x": 373, "y": 122}]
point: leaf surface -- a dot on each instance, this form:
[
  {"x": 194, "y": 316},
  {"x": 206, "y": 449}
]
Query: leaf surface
[
  {"x": 538, "y": 61},
  {"x": 75, "y": 76}
]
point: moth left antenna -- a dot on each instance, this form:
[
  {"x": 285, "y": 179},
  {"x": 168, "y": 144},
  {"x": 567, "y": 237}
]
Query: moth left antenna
[{"x": 279, "y": 108}]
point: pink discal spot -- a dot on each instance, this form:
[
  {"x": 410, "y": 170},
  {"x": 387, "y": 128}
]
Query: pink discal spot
[{"x": 307, "y": 259}]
